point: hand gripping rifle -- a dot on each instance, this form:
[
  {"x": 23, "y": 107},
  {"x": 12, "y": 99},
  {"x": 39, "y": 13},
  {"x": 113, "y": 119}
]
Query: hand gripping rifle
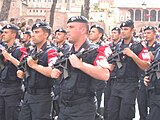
[
  {"x": 154, "y": 68},
  {"x": 62, "y": 62},
  {"x": 116, "y": 57},
  {"x": 23, "y": 64}
]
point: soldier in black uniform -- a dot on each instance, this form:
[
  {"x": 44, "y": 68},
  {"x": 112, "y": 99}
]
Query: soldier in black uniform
[
  {"x": 142, "y": 97},
  {"x": 63, "y": 48},
  {"x": 96, "y": 36},
  {"x": 10, "y": 84},
  {"x": 61, "y": 41},
  {"x": 152, "y": 81},
  {"x": 135, "y": 56},
  {"x": 37, "y": 99},
  {"x": 116, "y": 38},
  {"x": 26, "y": 41},
  {"x": 77, "y": 93}
]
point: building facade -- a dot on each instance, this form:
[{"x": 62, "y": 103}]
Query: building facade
[{"x": 107, "y": 13}]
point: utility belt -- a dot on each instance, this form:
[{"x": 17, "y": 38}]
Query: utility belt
[
  {"x": 35, "y": 91},
  {"x": 77, "y": 102},
  {"x": 126, "y": 80}
]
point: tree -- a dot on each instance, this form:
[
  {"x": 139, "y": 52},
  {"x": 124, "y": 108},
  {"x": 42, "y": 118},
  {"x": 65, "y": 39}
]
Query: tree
[
  {"x": 86, "y": 8},
  {"x": 82, "y": 11},
  {"x": 5, "y": 10},
  {"x": 52, "y": 11}
]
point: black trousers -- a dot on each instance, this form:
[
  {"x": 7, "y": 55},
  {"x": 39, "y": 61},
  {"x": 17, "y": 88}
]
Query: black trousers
[
  {"x": 121, "y": 104},
  {"x": 154, "y": 107},
  {"x": 10, "y": 107},
  {"x": 36, "y": 107},
  {"x": 143, "y": 101},
  {"x": 107, "y": 94}
]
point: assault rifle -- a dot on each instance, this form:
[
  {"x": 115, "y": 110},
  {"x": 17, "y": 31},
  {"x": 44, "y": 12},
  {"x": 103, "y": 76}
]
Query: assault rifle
[
  {"x": 23, "y": 64},
  {"x": 62, "y": 62},
  {"x": 154, "y": 68},
  {"x": 116, "y": 57}
]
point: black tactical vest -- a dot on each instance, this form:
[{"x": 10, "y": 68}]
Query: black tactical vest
[
  {"x": 9, "y": 73},
  {"x": 79, "y": 84},
  {"x": 129, "y": 69},
  {"x": 36, "y": 80}
]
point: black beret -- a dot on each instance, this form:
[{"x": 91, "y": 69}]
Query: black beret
[
  {"x": 61, "y": 30},
  {"x": 27, "y": 32},
  {"x": 80, "y": 19},
  {"x": 150, "y": 28},
  {"x": 11, "y": 26},
  {"x": 1, "y": 31},
  {"x": 128, "y": 23},
  {"x": 117, "y": 29},
  {"x": 41, "y": 25},
  {"x": 100, "y": 29}
]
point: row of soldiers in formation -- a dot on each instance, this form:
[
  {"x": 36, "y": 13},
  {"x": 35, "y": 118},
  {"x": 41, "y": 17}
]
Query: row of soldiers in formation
[{"x": 48, "y": 93}]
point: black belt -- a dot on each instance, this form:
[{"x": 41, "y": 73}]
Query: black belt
[
  {"x": 38, "y": 91},
  {"x": 77, "y": 102},
  {"x": 127, "y": 80}
]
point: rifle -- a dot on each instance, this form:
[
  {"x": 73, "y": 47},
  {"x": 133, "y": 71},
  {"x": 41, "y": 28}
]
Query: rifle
[
  {"x": 62, "y": 62},
  {"x": 154, "y": 68},
  {"x": 116, "y": 57},
  {"x": 23, "y": 64}
]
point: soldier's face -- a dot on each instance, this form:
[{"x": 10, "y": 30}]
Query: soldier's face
[
  {"x": 150, "y": 35},
  {"x": 94, "y": 34},
  {"x": 60, "y": 37},
  {"x": 126, "y": 32},
  {"x": 26, "y": 37},
  {"x": 38, "y": 36},
  {"x": 115, "y": 35},
  {"x": 74, "y": 31},
  {"x": 8, "y": 35}
]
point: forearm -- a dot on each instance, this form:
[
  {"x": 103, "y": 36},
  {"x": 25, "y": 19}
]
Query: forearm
[
  {"x": 46, "y": 71},
  {"x": 95, "y": 71},
  {"x": 141, "y": 63},
  {"x": 14, "y": 61}
]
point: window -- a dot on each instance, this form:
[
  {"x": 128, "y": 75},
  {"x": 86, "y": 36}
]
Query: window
[
  {"x": 137, "y": 15},
  {"x": 159, "y": 15},
  {"x": 145, "y": 15},
  {"x": 152, "y": 15},
  {"x": 131, "y": 14}
]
